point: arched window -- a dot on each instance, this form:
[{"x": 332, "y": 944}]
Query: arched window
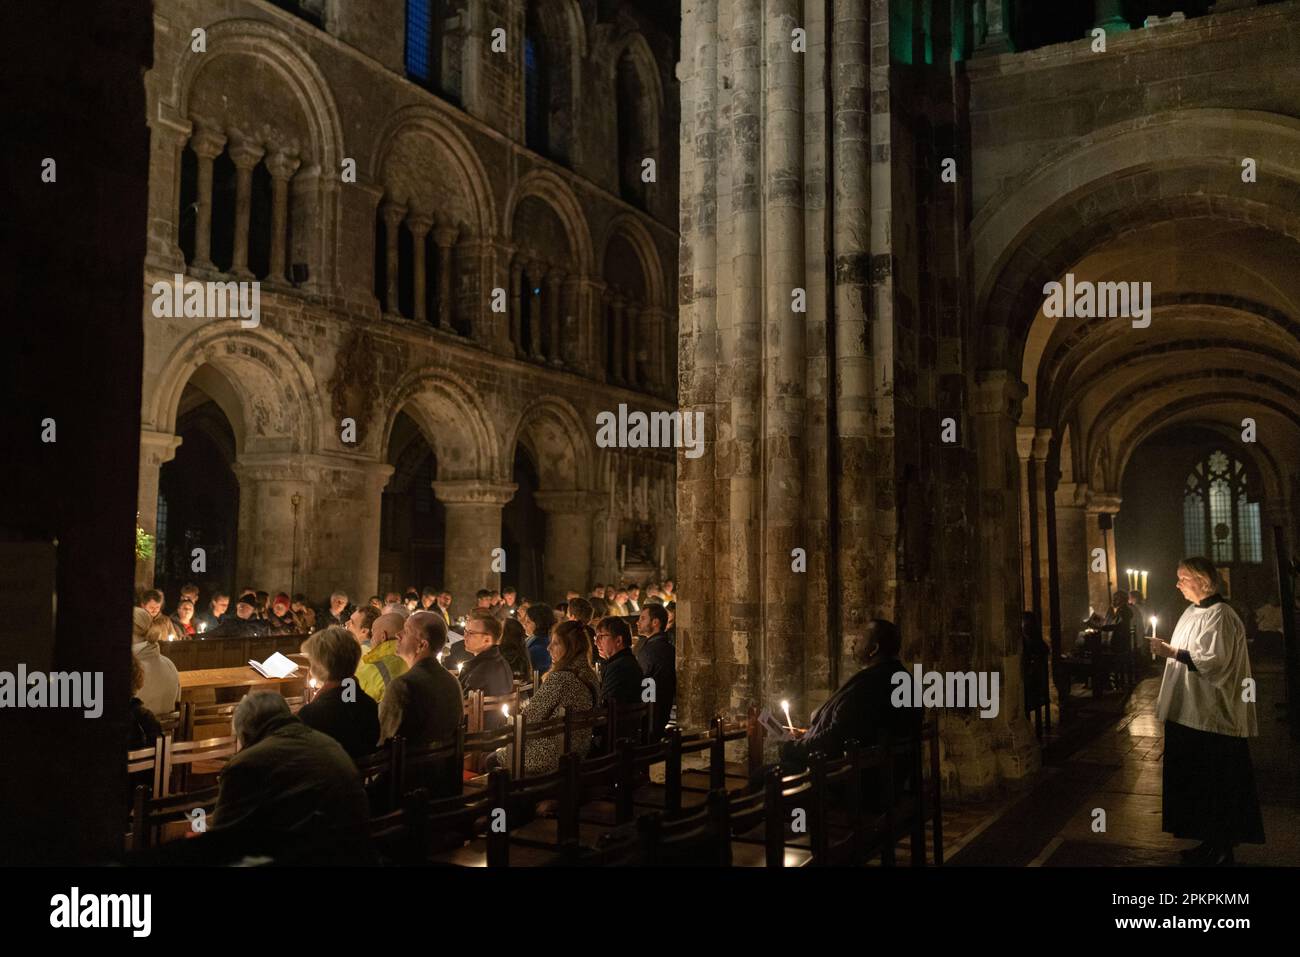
[
  {"x": 424, "y": 42},
  {"x": 536, "y": 97},
  {"x": 1218, "y": 520}
]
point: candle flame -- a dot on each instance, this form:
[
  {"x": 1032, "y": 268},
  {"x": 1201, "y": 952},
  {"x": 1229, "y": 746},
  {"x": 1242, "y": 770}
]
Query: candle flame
[
  {"x": 785, "y": 706},
  {"x": 505, "y": 710}
]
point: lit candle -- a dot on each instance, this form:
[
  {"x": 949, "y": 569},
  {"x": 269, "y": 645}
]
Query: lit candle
[
  {"x": 1153, "y": 634},
  {"x": 785, "y": 706},
  {"x": 505, "y": 711},
  {"x": 1144, "y": 586},
  {"x": 460, "y": 667}
]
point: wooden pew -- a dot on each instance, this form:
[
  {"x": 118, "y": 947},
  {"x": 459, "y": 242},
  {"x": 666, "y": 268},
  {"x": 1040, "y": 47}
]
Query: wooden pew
[
  {"x": 182, "y": 759},
  {"x": 155, "y": 820}
]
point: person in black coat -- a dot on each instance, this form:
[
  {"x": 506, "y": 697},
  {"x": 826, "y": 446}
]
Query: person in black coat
[
  {"x": 340, "y": 709},
  {"x": 244, "y": 623},
  {"x": 658, "y": 660},
  {"x": 861, "y": 709},
  {"x": 487, "y": 671},
  {"x": 620, "y": 673}
]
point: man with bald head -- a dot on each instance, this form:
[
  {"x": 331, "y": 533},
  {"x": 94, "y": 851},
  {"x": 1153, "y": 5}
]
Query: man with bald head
[
  {"x": 424, "y": 705},
  {"x": 380, "y": 663}
]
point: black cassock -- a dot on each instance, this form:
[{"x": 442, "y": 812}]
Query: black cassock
[{"x": 1209, "y": 787}]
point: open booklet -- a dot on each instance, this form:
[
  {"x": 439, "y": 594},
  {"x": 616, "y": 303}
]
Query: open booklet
[{"x": 277, "y": 666}]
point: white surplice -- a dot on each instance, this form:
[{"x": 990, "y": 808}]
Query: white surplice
[{"x": 1209, "y": 698}]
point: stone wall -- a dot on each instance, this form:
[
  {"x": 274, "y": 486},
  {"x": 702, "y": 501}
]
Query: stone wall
[{"x": 447, "y": 206}]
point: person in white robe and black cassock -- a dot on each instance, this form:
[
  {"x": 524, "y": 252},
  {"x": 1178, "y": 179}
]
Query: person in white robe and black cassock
[{"x": 1209, "y": 782}]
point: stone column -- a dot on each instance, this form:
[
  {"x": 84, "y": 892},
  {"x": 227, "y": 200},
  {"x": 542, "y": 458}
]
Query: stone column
[
  {"x": 419, "y": 227},
  {"x": 617, "y": 310},
  {"x": 473, "y": 529},
  {"x": 365, "y": 519},
  {"x": 445, "y": 236},
  {"x": 567, "y": 554},
  {"x": 1024, "y": 452},
  {"x": 992, "y": 20},
  {"x": 281, "y": 165},
  {"x": 394, "y": 213},
  {"x": 553, "y": 282},
  {"x": 277, "y": 539},
  {"x": 1042, "y": 569},
  {"x": 155, "y": 449},
  {"x": 1099, "y": 592},
  {"x": 517, "y": 307},
  {"x": 533, "y": 272},
  {"x": 996, "y": 409},
  {"x": 208, "y": 144},
  {"x": 245, "y": 154},
  {"x": 1073, "y": 558},
  {"x": 632, "y": 319},
  {"x": 571, "y": 342}
]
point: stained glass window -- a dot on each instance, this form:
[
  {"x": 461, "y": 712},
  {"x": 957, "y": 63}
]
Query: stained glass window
[{"x": 1219, "y": 521}]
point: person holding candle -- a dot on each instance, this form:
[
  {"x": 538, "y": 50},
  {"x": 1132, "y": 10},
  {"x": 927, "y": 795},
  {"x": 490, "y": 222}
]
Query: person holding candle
[
  {"x": 1209, "y": 781},
  {"x": 861, "y": 709}
]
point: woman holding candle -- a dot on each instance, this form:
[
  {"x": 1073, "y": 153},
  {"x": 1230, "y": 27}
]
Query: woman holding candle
[{"x": 1209, "y": 782}]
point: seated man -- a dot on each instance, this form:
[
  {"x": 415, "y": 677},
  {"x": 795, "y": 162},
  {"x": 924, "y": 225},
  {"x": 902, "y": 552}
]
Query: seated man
[
  {"x": 245, "y": 623},
  {"x": 620, "y": 673},
  {"x": 380, "y": 663},
  {"x": 487, "y": 671},
  {"x": 861, "y": 709},
  {"x": 291, "y": 793},
  {"x": 658, "y": 660},
  {"x": 1118, "y": 630},
  {"x": 424, "y": 705},
  {"x": 216, "y": 613}
]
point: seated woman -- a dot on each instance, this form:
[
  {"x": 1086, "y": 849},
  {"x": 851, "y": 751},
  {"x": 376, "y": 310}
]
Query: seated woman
[
  {"x": 161, "y": 688},
  {"x": 570, "y": 686},
  {"x": 340, "y": 709},
  {"x": 281, "y": 620},
  {"x": 145, "y": 728},
  {"x": 514, "y": 651},
  {"x": 184, "y": 619}
]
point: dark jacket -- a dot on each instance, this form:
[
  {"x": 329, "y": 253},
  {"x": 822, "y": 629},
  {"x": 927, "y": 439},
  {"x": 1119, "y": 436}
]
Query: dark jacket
[
  {"x": 352, "y": 723},
  {"x": 861, "y": 711},
  {"x": 620, "y": 679},
  {"x": 658, "y": 660},
  {"x": 288, "y": 625},
  {"x": 424, "y": 705},
  {"x": 294, "y": 793},
  {"x": 145, "y": 728},
  {"x": 236, "y": 627},
  {"x": 488, "y": 672},
  {"x": 539, "y": 654}
]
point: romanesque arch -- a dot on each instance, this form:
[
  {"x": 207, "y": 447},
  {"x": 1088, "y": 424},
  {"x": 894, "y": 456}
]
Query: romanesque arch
[
  {"x": 559, "y": 443},
  {"x": 257, "y": 378},
  {"x": 453, "y": 422}
]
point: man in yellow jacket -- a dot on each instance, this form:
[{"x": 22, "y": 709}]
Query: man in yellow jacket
[{"x": 380, "y": 664}]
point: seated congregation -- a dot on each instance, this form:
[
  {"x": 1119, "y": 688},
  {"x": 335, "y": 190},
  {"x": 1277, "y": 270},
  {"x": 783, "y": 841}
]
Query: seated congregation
[{"x": 542, "y": 742}]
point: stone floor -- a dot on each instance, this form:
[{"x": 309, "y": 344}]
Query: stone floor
[{"x": 1117, "y": 769}]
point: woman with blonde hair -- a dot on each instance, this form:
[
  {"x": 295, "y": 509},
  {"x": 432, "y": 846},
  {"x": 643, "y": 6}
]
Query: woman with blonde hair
[
  {"x": 570, "y": 686},
  {"x": 1208, "y": 706},
  {"x": 340, "y": 709},
  {"x": 162, "y": 682}
]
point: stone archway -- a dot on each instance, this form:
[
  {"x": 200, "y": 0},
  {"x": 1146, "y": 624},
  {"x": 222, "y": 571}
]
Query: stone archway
[{"x": 553, "y": 441}]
